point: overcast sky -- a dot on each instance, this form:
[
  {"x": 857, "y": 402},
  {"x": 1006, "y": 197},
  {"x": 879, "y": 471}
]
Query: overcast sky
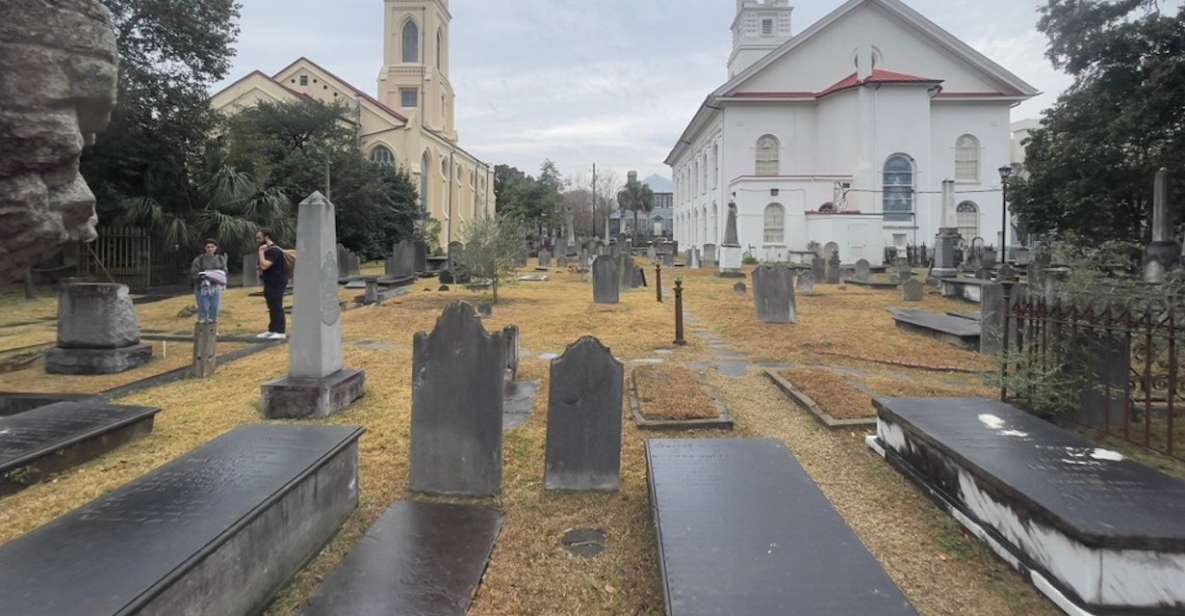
[{"x": 611, "y": 82}]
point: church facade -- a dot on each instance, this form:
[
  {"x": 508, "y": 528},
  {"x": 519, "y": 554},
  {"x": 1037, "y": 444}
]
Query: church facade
[
  {"x": 410, "y": 124},
  {"x": 842, "y": 135}
]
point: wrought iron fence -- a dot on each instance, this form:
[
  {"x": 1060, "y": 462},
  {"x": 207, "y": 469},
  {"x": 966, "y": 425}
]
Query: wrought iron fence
[
  {"x": 1113, "y": 366},
  {"x": 131, "y": 256}
]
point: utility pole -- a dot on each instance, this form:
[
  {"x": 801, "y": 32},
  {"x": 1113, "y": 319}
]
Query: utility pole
[
  {"x": 594, "y": 202},
  {"x": 328, "y": 189}
]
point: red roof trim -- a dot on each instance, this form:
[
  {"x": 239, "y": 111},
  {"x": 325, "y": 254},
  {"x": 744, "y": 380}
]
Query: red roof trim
[
  {"x": 374, "y": 101},
  {"x": 973, "y": 95},
  {"x": 851, "y": 81}
]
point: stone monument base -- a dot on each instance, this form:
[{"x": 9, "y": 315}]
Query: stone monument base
[
  {"x": 308, "y": 398},
  {"x": 97, "y": 361},
  {"x": 730, "y": 262}
]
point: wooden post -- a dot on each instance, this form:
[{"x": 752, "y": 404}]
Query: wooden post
[
  {"x": 205, "y": 343},
  {"x": 658, "y": 281},
  {"x": 679, "y": 341}
]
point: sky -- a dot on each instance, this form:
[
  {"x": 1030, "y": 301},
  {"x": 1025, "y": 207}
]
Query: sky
[{"x": 610, "y": 82}]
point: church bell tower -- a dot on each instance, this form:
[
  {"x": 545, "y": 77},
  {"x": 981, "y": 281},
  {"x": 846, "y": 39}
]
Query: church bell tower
[
  {"x": 414, "y": 79},
  {"x": 760, "y": 27}
]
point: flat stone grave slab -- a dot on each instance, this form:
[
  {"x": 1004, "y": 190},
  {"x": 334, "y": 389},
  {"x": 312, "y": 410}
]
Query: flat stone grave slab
[
  {"x": 742, "y": 530},
  {"x": 13, "y": 403},
  {"x": 1093, "y": 531},
  {"x": 952, "y": 330},
  {"x": 217, "y": 531},
  {"x": 419, "y": 559},
  {"x": 878, "y": 285},
  {"x": 38, "y": 443}
]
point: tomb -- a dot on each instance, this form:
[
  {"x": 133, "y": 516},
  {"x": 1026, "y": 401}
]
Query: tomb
[
  {"x": 97, "y": 331},
  {"x": 36, "y": 444},
  {"x": 217, "y": 531},
  {"x": 953, "y": 330},
  {"x": 742, "y": 530},
  {"x": 13, "y": 403},
  {"x": 968, "y": 289},
  {"x": 417, "y": 559},
  {"x": 1093, "y": 531}
]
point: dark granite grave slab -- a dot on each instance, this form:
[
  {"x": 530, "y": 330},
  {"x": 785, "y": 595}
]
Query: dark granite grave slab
[
  {"x": 742, "y": 530},
  {"x": 873, "y": 284},
  {"x": 218, "y": 531},
  {"x": 1092, "y": 530},
  {"x": 419, "y": 559},
  {"x": 953, "y": 330},
  {"x": 13, "y": 403},
  {"x": 38, "y": 443}
]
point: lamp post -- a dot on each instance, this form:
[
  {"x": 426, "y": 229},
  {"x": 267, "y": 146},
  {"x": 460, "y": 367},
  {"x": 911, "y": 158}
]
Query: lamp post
[{"x": 1005, "y": 173}]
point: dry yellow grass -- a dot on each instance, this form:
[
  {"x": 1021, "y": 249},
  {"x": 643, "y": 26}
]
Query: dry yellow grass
[
  {"x": 672, "y": 392},
  {"x": 529, "y": 572},
  {"x": 833, "y": 393}
]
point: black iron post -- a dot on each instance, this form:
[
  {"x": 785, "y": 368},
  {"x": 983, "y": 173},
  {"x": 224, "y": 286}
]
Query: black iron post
[
  {"x": 679, "y": 341},
  {"x": 1007, "y": 284},
  {"x": 658, "y": 281}
]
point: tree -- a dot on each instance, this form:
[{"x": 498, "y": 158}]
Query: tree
[
  {"x": 169, "y": 53},
  {"x": 491, "y": 245},
  {"x": 1091, "y": 163},
  {"x": 534, "y": 202},
  {"x": 636, "y": 197}
]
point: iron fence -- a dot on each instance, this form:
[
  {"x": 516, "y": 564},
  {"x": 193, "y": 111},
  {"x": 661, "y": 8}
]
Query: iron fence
[{"x": 1113, "y": 365}]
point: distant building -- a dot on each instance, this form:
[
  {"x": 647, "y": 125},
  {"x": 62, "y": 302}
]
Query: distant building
[
  {"x": 658, "y": 223},
  {"x": 1020, "y": 133}
]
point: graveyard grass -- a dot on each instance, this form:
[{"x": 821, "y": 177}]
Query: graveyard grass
[
  {"x": 672, "y": 392},
  {"x": 847, "y": 332}
]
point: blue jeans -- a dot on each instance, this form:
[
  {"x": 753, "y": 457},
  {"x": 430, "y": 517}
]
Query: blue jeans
[{"x": 207, "y": 305}]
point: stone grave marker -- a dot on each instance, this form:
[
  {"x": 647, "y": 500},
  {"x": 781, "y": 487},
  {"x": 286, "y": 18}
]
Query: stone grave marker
[
  {"x": 651, "y": 253},
  {"x": 806, "y": 282},
  {"x": 251, "y": 271},
  {"x": 205, "y": 350},
  {"x": 455, "y": 251},
  {"x": 863, "y": 271},
  {"x": 773, "y": 294},
  {"x": 983, "y": 273},
  {"x": 740, "y": 288},
  {"x": 912, "y": 290},
  {"x": 639, "y": 280},
  {"x": 403, "y": 261},
  {"x": 561, "y": 262},
  {"x": 510, "y": 342},
  {"x": 317, "y": 385},
  {"x": 668, "y": 260},
  {"x": 709, "y": 256},
  {"x": 456, "y": 415},
  {"x": 584, "y": 413},
  {"x": 544, "y": 258},
  {"x": 833, "y": 267},
  {"x": 343, "y": 262},
  {"x": 98, "y": 332},
  {"x": 695, "y": 263},
  {"x": 904, "y": 272},
  {"x": 819, "y": 269},
  {"x": 628, "y": 279},
  {"x": 419, "y": 256},
  {"x": 606, "y": 278}
]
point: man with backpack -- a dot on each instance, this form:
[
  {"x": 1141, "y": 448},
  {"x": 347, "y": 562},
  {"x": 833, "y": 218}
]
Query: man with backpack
[{"x": 273, "y": 270}]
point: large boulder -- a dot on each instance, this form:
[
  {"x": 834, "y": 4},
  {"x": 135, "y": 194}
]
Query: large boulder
[
  {"x": 58, "y": 74},
  {"x": 96, "y": 316}
]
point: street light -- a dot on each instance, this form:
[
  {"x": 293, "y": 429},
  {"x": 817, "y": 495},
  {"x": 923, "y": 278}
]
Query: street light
[{"x": 1005, "y": 174}]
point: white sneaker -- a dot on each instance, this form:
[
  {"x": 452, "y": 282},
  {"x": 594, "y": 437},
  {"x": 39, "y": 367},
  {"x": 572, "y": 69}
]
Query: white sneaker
[
  {"x": 272, "y": 336},
  {"x": 264, "y": 335}
]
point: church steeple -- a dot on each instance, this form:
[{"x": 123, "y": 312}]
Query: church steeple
[
  {"x": 759, "y": 28},
  {"x": 415, "y": 74}
]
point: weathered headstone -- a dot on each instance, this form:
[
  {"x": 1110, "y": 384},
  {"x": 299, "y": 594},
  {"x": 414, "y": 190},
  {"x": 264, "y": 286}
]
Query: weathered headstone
[
  {"x": 904, "y": 272},
  {"x": 420, "y": 256},
  {"x": 584, "y": 419},
  {"x": 709, "y": 256},
  {"x": 606, "y": 278},
  {"x": 740, "y": 288},
  {"x": 456, "y": 414},
  {"x": 510, "y": 342},
  {"x": 97, "y": 331},
  {"x": 668, "y": 260},
  {"x": 912, "y": 290},
  {"x": 639, "y": 278},
  {"x": 695, "y": 263},
  {"x": 456, "y": 251},
  {"x": 561, "y": 262},
  {"x": 806, "y": 282},
  {"x": 863, "y": 271},
  {"x": 343, "y": 262},
  {"x": 833, "y": 266},
  {"x": 403, "y": 261},
  {"x": 819, "y": 268},
  {"x": 371, "y": 296},
  {"x": 251, "y": 271},
  {"x": 317, "y": 385},
  {"x": 991, "y": 319},
  {"x": 773, "y": 294},
  {"x": 205, "y": 350},
  {"x": 730, "y": 251},
  {"x": 544, "y": 258},
  {"x": 983, "y": 273},
  {"x": 651, "y": 254}
]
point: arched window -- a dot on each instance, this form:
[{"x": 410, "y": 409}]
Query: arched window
[
  {"x": 775, "y": 224},
  {"x": 898, "y": 189},
  {"x": 440, "y": 49},
  {"x": 705, "y": 186},
  {"x": 968, "y": 220},
  {"x": 695, "y": 178},
  {"x": 382, "y": 156},
  {"x": 444, "y": 167},
  {"x": 425, "y": 166},
  {"x": 768, "y": 155},
  {"x": 967, "y": 159},
  {"x": 715, "y": 165},
  {"x": 411, "y": 42}
]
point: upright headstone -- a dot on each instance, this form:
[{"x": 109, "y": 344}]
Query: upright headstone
[
  {"x": 561, "y": 262},
  {"x": 355, "y": 265},
  {"x": 946, "y": 263},
  {"x": 403, "y": 261},
  {"x": 730, "y": 250},
  {"x": 863, "y": 271},
  {"x": 740, "y": 289},
  {"x": 709, "y": 257},
  {"x": 651, "y": 254},
  {"x": 806, "y": 282},
  {"x": 456, "y": 251},
  {"x": 819, "y": 268},
  {"x": 695, "y": 260},
  {"x": 991, "y": 319},
  {"x": 420, "y": 256},
  {"x": 668, "y": 260},
  {"x": 456, "y": 412},
  {"x": 544, "y": 258},
  {"x": 773, "y": 294},
  {"x": 343, "y": 262},
  {"x": 251, "y": 271},
  {"x": 606, "y": 279},
  {"x": 98, "y": 332},
  {"x": 833, "y": 266},
  {"x": 626, "y": 274},
  {"x": 317, "y": 385},
  {"x": 912, "y": 290},
  {"x": 371, "y": 296},
  {"x": 904, "y": 272},
  {"x": 983, "y": 273},
  {"x": 584, "y": 419},
  {"x": 989, "y": 258},
  {"x": 510, "y": 342}
]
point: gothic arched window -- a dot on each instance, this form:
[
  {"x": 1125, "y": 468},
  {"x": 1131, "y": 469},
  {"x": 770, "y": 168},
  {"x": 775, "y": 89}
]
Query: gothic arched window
[
  {"x": 768, "y": 155},
  {"x": 967, "y": 159},
  {"x": 440, "y": 49},
  {"x": 898, "y": 188},
  {"x": 382, "y": 156},
  {"x": 411, "y": 42}
]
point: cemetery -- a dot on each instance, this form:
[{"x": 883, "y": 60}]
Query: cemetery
[{"x": 287, "y": 373}]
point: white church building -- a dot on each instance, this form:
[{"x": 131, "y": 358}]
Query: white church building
[{"x": 844, "y": 133}]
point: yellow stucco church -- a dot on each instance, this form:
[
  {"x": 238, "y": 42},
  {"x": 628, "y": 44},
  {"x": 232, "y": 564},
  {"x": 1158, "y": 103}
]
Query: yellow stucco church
[{"x": 410, "y": 124}]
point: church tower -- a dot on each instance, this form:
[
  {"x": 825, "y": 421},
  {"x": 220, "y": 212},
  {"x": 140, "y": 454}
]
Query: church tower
[
  {"x": 414, "y": 78},
  {"x": 760, "y": 27}
]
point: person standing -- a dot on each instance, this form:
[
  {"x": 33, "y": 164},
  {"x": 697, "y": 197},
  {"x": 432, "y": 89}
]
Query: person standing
[
  {"x": 209, "y": 274},
  {"x": 273, "y": 269}
]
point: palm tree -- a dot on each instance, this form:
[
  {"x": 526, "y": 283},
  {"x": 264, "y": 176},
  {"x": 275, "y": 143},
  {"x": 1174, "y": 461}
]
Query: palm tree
[{"x": 637, "y": 197}]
